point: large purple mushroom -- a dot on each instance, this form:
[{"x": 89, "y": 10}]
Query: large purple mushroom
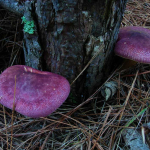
[
  {"x": 134, "y": 43},
  {"x": 37, "y": 93}
]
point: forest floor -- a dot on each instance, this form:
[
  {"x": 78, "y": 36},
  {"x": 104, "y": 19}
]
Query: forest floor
[{"x": 98, "y": 124}]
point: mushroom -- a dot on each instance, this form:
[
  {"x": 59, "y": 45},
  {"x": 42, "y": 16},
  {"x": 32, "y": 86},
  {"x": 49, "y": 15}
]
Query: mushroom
[
  {"x": 134, "y": 43},
  {"x": 34, "y": 93}
]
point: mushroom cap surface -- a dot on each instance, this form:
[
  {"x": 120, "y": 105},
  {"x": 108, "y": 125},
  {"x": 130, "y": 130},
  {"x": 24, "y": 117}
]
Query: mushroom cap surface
[
  {"x": 37, "y": 93},
  {"x": 134, "y": 43}
]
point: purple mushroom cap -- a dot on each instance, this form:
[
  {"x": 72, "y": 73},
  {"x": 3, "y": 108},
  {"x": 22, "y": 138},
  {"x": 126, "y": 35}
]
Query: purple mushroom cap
[
  {"x": 37, "y": 93},
  {"x": 134, "y": 43}
]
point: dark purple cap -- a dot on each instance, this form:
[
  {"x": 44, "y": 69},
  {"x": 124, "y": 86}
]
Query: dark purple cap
[
  {"x": 134, "y": 43},
  {"x": 38, "y": 93}
]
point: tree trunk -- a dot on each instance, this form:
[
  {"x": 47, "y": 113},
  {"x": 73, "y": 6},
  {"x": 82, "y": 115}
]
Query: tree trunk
[{"x": 70, "y": 33}]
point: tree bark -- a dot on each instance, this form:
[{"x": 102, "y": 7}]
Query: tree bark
[{"x": 68, "y": 34}]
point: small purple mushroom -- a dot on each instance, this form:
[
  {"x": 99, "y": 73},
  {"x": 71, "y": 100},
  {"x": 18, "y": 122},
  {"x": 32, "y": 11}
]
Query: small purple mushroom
[
  {"x": 37, "y": 93},
  {"x": 134, "y": 43}
]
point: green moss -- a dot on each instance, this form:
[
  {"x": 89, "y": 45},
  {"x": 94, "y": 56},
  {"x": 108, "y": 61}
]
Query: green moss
[{"x": 29, "y": 26}]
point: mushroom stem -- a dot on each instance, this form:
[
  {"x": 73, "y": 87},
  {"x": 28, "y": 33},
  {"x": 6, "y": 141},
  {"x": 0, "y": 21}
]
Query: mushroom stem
[{"x": 127, "y": 63}]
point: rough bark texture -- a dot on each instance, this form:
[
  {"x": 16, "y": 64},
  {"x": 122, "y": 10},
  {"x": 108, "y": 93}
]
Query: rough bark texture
[{"x": 68, "y": 34}]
